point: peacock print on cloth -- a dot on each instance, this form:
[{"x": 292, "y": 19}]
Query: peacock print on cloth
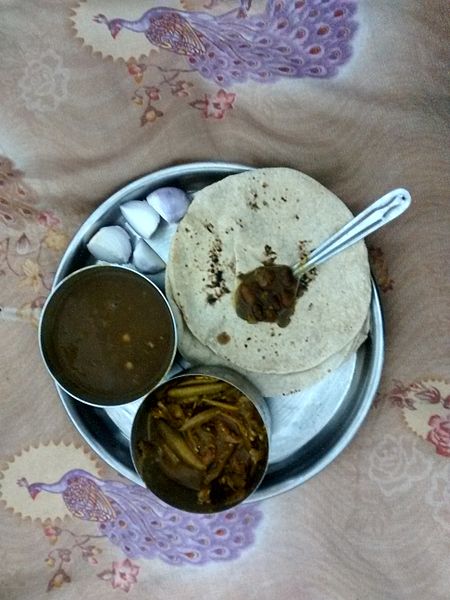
[
  {"x": 142, "y": 526},
  {"x": 290, "y": 38},
  {"x": 202, "y": 54}
]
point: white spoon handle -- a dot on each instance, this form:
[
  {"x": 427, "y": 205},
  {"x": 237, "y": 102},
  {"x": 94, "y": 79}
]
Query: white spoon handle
[{"x": 382, "y": 211}]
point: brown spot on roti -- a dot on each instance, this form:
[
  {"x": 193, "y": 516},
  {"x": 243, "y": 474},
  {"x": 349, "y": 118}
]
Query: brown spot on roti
[{"x": 223, "y": 338}]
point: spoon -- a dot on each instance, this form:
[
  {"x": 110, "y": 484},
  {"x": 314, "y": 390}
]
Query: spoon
[{"x": 376, "y": 215}]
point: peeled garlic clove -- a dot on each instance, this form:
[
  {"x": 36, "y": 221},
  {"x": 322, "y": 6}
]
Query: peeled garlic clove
[
  {"x": 171, "y": 203},
  {"x": 145, "y": 258},
  {"x": 142, "y": 218},
  {"x": 111, "y": 244}
]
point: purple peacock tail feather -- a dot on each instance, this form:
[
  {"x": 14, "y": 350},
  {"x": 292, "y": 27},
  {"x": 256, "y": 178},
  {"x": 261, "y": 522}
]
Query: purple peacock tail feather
[
  {"x": 143, "y": 526},
  {"x": 290, "y": 38}
]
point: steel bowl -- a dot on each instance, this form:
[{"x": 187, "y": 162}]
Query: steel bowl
[
  {"x": 51, "y": 354},
  {"x": 163, "y": 486}
]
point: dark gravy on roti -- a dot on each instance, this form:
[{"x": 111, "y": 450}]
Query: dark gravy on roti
[
  {"x": 111, "y": 335},
  {"x": 269, "y": 294}
]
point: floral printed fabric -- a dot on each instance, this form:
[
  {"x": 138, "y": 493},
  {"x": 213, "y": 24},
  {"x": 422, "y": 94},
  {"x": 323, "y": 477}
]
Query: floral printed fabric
[
  {"x": 83, "y": 112},
  {"x": 43, "y": 84}
]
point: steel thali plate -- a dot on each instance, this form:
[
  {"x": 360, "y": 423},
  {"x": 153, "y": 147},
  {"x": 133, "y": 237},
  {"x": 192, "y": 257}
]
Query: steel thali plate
[{"x": 309, "y": 428}]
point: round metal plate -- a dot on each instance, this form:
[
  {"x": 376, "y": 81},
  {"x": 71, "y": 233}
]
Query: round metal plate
[{"x": 309, "y": 428}]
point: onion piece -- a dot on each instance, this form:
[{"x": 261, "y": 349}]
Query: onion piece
[
  {"x": 170, "y": 202},
  {"x": 141, "y": 216},
  {"x": 111, "y": 244},
  {"x": 145, "y": 259}
]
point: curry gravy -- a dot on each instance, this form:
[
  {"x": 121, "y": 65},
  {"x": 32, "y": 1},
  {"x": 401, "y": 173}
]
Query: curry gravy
[
  {"x": 268, "y": 293},
  {"x": 109, "y": 335}
]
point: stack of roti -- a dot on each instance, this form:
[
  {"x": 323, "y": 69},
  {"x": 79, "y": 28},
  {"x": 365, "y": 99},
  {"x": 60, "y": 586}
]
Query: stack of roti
[{"x": 238, "y": 224}]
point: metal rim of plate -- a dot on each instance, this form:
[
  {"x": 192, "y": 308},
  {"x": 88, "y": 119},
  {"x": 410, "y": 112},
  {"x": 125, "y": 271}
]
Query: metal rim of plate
[{"x": 346, "y": 414}]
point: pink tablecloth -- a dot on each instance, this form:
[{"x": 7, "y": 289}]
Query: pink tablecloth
[{"x": 352, "y": 93}]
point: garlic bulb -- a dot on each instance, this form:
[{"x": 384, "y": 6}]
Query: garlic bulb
[
  {"x": 111, "y": 244},
  {"x": 171, "y": 203},
  {"x": 142, "y": 218},
  {"x": 145, "y": 259}
]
